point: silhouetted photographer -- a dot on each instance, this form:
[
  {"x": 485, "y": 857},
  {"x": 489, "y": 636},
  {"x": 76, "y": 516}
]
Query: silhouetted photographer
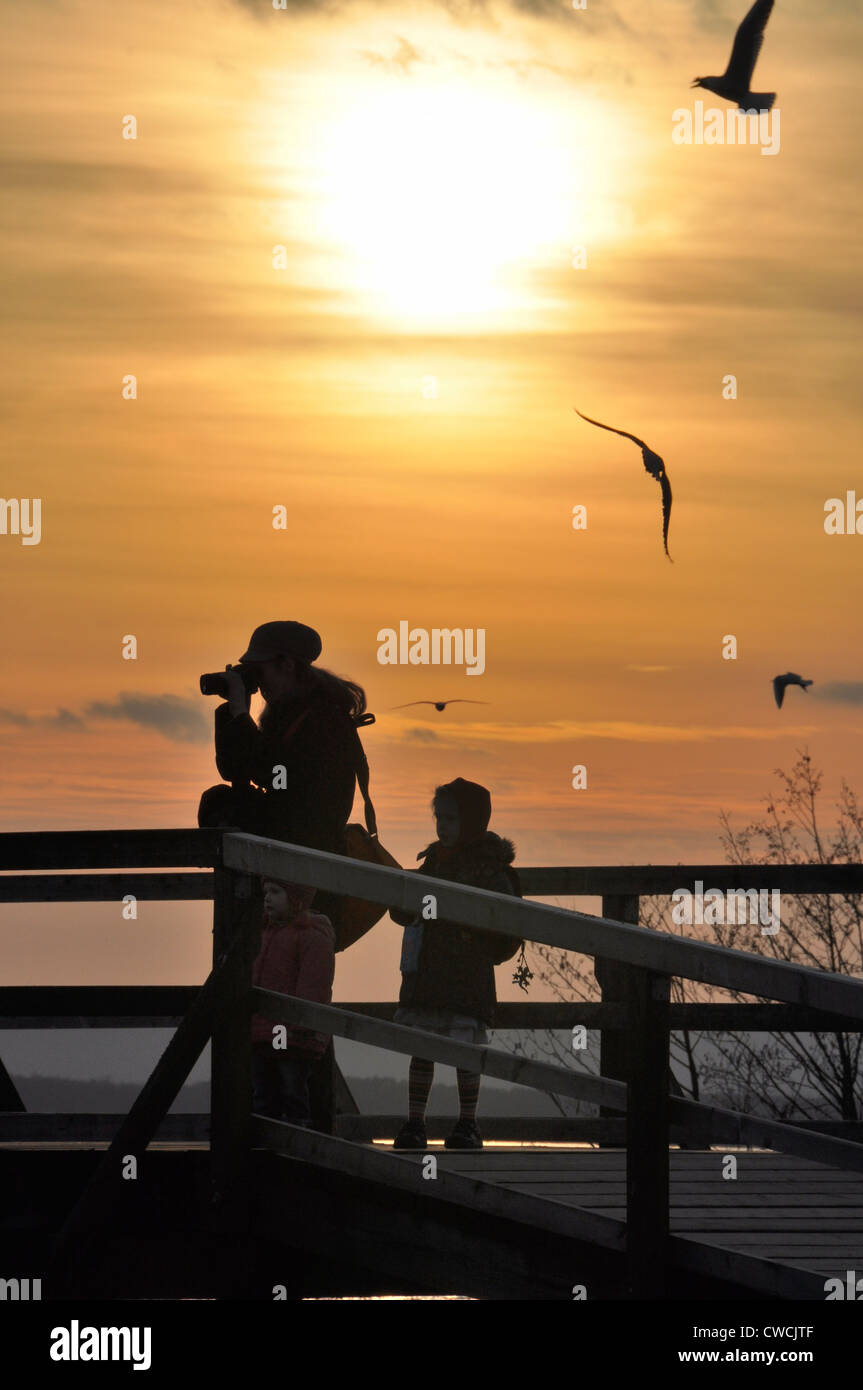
[{"x": 293, "y": 773}]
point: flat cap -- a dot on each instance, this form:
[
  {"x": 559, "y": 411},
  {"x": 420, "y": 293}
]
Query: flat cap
[{"x": 283, "y": 639}]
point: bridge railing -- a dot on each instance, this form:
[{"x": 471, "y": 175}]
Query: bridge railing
[
  {"x": 635, "y": 966},
  {"x": 642, "y": 962}
]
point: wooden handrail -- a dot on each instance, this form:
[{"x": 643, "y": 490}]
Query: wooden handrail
[
  {"x": 415, "y": 1042},
  {"x": 163, "y": 1006},
  {"x": 762, "y": 1133},
  {"x": 165, "y": 886},
  {"x": 575, "y": 931},
  {"x": 661, "y": 880},
  {"x": 544, "y": 1076},
  {"x": 110, "y": 849},
  {"x": 599, "y": 936},
  {"x": 41, "y": 851}
]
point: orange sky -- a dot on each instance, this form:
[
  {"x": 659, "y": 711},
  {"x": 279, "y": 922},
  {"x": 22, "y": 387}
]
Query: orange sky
[{"x": 428, "y": 171}]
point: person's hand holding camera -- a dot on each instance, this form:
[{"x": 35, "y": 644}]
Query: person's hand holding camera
[{"x": 239, "y": 698}]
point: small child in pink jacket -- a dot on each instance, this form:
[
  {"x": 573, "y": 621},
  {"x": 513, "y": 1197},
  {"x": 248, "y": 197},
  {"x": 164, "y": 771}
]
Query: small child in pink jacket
[{"x": 297, "y": 956}]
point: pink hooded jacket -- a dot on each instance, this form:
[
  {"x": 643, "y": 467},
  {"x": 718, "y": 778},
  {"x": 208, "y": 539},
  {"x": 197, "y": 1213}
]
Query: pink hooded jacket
[{"x": 296, "y": 957}]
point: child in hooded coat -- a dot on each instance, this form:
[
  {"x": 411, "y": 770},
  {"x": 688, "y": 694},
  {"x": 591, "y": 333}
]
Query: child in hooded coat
[
  {"x": 297, "y": 957},
  {"x": 448, "y": 970}
]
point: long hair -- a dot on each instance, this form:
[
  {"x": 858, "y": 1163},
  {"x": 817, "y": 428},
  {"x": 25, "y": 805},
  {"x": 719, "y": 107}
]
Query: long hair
[{"x": 345, "y": 694}]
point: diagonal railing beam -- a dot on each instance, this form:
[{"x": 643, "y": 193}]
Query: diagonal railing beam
[
  {"x": 148, "y": 1110},
  {"x": 730, "y": 1125},
  {"x": 415, "y": 1042},
  {"x": 573, "y": 931},
  {"x": 716, "y": 1125}
]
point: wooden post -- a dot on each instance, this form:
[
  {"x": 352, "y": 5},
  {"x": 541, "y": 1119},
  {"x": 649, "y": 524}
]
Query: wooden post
[
  {"x": 647, "y": 1181},
  {"x": 639, "y": 1055},
  {"x": 322, "y": 1092},
  {"x": 613, "y": 979},
  {"x": 236, "y": 904}
]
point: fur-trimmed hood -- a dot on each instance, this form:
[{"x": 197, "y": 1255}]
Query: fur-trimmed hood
[
  {"x": 485, "y": 859},
  {"x": 489, "y": 846}
]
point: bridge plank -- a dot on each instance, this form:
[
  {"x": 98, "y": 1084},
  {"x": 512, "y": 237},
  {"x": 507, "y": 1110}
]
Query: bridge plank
[
  {"x": 810, "y": 1223},
  {"x": 33, "y": 1127},
  {"x": 129, "y": 1006},
  {"x": 110, "y": 849},
  {"x": 100, "y": 888},
  {"x": 661, "y": 880}
]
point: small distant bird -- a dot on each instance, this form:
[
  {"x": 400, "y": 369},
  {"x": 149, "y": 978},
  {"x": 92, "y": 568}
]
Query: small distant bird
[
  {"x": 655, "y": 467},
  {"x": 439, "y": 704},
  {"x": 734, "y": 83},
  {"x": 780, "y": 682}
]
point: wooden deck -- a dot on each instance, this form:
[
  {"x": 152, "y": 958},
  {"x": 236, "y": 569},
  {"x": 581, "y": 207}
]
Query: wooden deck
[
  {"x": 778, "y": 1230},
  {"x": 779, "y": 1208},
  {"x": 516, "y": 1222}
]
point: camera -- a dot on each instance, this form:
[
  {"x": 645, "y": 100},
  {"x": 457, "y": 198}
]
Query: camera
[{"x": 214, "y": 682}]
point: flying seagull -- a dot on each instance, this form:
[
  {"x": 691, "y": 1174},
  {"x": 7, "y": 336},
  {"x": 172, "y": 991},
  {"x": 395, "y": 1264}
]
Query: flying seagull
[
  {"x": 655, "y": 467},
  {"x": 439, "y": 704},
  {"x": 734, "y": 83},
  {"x": 780, "y": 682}
]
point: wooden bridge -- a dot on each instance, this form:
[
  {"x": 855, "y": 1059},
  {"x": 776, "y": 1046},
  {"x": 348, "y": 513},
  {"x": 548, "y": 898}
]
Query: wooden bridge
[{"x": 231, "y": 1205}]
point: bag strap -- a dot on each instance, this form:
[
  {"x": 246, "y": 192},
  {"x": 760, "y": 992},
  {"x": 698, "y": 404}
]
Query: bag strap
[{"x": 362, "y": 771}]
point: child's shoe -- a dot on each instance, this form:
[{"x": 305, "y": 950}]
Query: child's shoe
[
  {"x": 412, "y": 1135},
  {"x": 464, "y": 1136}
]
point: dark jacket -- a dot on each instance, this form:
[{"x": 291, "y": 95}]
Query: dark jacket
[
  {"x": 456, "y": 964},
  {"x": 319, "y": 757}
]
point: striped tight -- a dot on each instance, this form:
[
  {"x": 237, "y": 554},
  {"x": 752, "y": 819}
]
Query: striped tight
[{"x": 420, "y": 1078}]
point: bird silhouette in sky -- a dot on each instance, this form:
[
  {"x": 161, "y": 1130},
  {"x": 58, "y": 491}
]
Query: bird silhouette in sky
[
  {"x": 439, "y": 704},
  {"x": 780, "y": 682},
  {"x": 655, "y": 467},
  {"x": 735, "y": 82}
]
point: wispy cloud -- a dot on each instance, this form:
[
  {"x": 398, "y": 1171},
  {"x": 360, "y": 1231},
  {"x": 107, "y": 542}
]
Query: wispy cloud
[
  {"x": 403, "y": 57},
  {"x": 11, "y": 716},
  {"x": 422, "y": 736},
  {"x": 843, "y": 692},
  {"x": 462, "y": 11},
  {"x": 622, "y": 731},
  {"x": 175, "y": 716},
  {"x": 63, "y": 719}
]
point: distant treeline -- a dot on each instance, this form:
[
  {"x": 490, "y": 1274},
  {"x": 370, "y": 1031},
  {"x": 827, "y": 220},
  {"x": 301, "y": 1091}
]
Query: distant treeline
[
  {"x": 101, "y": 1096},
  {"x": 373, "y": 1094}
]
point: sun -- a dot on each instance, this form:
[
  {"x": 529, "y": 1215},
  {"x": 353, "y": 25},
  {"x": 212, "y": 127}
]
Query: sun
[{"x": 441, "y": 198}]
